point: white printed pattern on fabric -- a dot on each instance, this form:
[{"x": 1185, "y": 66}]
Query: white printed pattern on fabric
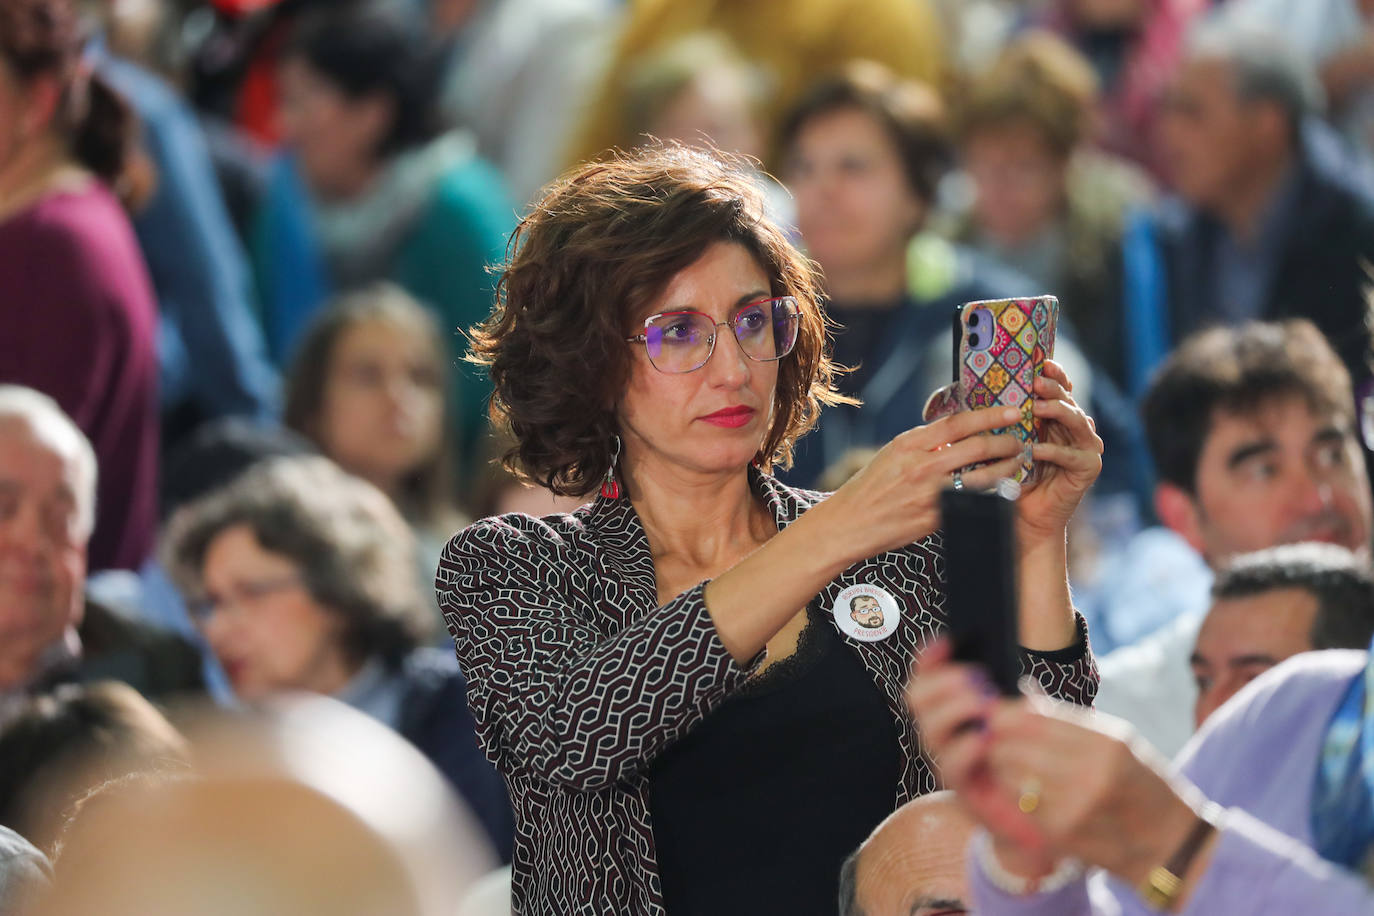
[{"x": 578, "y": 679}]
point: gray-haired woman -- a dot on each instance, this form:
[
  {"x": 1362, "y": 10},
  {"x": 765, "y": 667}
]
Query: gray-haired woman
[{"x": 302, "y": 579}]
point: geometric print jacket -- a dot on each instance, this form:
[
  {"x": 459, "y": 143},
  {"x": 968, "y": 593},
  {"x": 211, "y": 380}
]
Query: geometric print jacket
[{"x": 578, "y": 680}]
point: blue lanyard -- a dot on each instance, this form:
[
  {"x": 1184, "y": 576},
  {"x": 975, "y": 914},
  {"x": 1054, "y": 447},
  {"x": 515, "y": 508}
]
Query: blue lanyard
[{"x": 1343, "y": 798}]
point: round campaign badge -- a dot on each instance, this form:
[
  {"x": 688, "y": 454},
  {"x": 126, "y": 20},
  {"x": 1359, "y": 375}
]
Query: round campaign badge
[{"x": 866, "y": 613}]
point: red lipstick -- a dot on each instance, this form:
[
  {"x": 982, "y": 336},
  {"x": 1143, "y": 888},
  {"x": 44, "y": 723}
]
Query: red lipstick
[{"x": 730, "y": 417}]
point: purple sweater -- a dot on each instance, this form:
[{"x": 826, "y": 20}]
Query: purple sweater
[
  {"x": 79, "y": 324},
  {"x": 1257, "y": 756}
]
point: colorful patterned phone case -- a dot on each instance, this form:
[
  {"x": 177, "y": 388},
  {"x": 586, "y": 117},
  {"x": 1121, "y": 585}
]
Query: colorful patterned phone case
[{"x": 1000, "y": 348}]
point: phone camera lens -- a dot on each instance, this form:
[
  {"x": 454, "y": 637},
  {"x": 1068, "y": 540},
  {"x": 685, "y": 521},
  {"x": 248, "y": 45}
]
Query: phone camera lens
[
  {"x": 973, "y": 319},
  {"x": 973, "y": 340}
]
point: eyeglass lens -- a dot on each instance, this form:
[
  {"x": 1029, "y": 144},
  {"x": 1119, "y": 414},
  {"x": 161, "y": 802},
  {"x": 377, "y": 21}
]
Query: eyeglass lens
[{"x": 682, "y": 341}]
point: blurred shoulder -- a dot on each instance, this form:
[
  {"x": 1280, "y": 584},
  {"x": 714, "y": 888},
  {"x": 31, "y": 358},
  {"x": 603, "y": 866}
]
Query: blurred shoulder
[
  {"x": 73, "y": 222},
  {"x": 469, "y": 182},
  {"x": 517, "y": 535}
]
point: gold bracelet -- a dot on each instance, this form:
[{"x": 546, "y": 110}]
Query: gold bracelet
[{"x": 1162, "y": 885}]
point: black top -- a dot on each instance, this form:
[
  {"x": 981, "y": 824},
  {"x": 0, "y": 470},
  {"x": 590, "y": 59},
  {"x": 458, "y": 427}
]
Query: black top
[
  {"x": 859, "y": 340},
  {"x": 756, "y": 808}
]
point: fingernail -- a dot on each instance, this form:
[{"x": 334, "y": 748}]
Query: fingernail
[
  {"x": 982, "y": 683},
  {"x": 1011, "y": 413}
]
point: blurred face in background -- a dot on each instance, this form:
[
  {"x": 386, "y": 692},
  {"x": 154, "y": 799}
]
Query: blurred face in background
[
  {"x": 263, "y": 625},
  {"x": 1209, "y": 137},
  {"x": 1279, "y": 475},
  {"x": 855, "y": 208},
  {"x": 382, "y": 413},
  {"x": 335, "y": 137},
  {"x": 42, "y": 548},
  {"x": 26, "y": 126},
  {"x": 1019, "y": 181},
  {"x": 1243, "y": 637},
  {"x": 714, "y": 105}
]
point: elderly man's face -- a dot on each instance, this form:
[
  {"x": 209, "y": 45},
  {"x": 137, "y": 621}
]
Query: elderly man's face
[
  {"x": 1210, "y": 137},
  {"x": 913, "y": 865},
  {"x": 42, "y": 548}
]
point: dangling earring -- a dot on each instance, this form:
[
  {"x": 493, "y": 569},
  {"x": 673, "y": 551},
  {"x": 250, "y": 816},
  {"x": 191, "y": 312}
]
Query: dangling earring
[{"x": 610, "y": 487}]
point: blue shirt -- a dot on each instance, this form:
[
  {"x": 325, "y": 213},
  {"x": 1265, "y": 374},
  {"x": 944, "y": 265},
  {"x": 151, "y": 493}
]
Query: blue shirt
[{"x": 210, "y": 347}]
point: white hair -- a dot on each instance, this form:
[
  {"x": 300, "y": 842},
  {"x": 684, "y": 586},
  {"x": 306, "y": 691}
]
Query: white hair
[
  {"x": 51, "y": 426},
  {"x": 1264, "y": 62}
]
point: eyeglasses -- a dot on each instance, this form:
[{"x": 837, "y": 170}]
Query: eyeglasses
[
  {"x": 244, "y": 595},
  {"x": 684, "y": 341}
]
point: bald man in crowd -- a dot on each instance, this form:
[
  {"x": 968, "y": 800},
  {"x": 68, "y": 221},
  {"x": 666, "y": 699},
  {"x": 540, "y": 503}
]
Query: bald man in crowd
[{"x": 912, "y": 864}]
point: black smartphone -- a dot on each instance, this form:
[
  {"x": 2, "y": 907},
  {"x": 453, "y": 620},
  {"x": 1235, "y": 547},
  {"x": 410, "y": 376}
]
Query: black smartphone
[{"x": 980, "y": 583}]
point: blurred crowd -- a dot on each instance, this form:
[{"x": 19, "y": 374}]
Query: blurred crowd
[{"x": 243, "y": 244}]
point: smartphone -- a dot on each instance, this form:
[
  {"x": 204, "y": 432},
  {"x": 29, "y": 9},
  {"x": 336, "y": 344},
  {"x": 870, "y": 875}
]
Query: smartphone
[
  {"x": 980, "y": 583},
  {"x": 1000, "y": 348}
]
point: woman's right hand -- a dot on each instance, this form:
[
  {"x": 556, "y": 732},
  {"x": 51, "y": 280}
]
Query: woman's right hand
[
  {"x": 895, "y": 499},
  {"x": 891, "y": 503}
]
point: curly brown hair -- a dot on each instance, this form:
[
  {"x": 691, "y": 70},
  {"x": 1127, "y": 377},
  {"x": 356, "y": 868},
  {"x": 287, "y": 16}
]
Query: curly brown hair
[{"x": 602, "y": 244}]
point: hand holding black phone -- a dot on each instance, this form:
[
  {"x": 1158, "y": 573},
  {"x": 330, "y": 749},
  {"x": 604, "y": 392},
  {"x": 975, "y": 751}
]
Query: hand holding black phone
[{"x": 980, "y": 583}]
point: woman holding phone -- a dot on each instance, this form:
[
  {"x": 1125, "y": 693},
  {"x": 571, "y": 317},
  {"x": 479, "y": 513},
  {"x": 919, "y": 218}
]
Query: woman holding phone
[{"x": 688, "y": 716}]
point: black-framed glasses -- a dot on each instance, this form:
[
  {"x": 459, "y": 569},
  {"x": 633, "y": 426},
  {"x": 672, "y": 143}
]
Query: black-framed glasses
[{"x": 679, "y": 342}]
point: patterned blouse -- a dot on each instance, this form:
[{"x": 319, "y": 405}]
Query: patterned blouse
[{"x": 578, "y": 679}]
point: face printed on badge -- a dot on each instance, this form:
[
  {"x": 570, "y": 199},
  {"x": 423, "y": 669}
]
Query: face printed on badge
[{"x": 866, "y": 613}]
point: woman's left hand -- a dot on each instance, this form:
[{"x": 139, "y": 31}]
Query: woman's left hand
[
  {"x": 1047, "y": 779},
  {"x": 1068, "y": 459}
]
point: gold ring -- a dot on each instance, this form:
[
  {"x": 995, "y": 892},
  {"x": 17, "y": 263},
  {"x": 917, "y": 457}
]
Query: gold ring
[{"x": 1029, "y": 800}]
